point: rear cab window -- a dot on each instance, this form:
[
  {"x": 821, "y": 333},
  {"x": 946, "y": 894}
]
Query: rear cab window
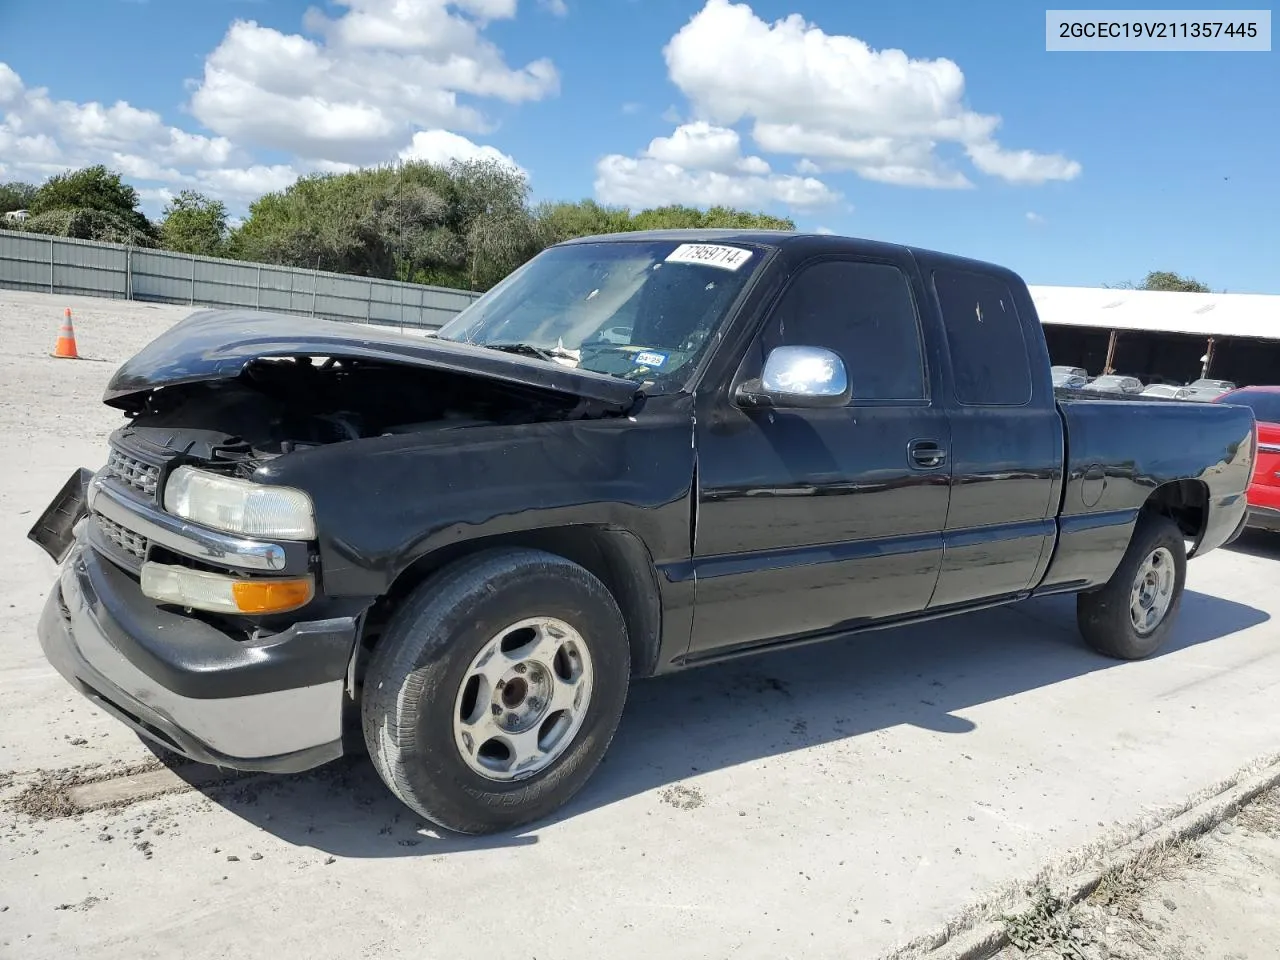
[{"x": 989, "y": 361}]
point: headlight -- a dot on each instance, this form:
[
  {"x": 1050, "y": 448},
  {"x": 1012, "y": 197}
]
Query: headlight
[{"x": 239, "y": 506}]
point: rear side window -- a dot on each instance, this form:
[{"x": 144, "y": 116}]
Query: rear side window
[
  {"x": 988, "y": 353},
  {"x": 864, "y": 312}
]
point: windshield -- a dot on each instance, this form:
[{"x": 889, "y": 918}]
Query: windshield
[
  {"x": 640, "y": 310},
  {"x": 1265, "y": 404}
]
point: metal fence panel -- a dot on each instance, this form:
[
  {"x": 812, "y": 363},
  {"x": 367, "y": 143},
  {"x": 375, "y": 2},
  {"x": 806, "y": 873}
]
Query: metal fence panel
[
  {"x": 88, "y": 268},
  {"x": 228, "y": 284},
  {"x": 161, "y": 276},
  {"x": 61, "y": 265},
  {"x": 26, "y": 261}
]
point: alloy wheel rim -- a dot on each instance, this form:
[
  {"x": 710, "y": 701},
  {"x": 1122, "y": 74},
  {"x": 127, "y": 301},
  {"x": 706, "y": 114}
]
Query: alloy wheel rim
[
  {"x": 523, "y": 699},
  {"x": 1152, "y": 592}
]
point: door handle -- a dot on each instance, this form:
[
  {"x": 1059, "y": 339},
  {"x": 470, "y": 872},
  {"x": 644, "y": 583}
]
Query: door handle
[{"x": 926, "y": 454}]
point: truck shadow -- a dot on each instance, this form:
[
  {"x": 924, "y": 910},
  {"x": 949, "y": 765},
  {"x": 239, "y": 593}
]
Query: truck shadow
[
  {"x": 717, "y": 717},
  {"x": 1257, "y": 543}
]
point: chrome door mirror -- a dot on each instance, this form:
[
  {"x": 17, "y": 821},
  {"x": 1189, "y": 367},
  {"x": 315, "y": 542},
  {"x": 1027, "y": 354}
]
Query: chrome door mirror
[{"x": 798, "y": 377}]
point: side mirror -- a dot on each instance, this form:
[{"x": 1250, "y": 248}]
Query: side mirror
[{"x": 798, "y": 377}]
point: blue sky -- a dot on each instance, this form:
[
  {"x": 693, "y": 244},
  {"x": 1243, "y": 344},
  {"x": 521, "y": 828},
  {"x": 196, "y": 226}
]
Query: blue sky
[{"x": 940, "y": 124}]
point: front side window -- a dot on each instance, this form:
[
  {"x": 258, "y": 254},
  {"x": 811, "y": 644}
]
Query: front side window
[
  {"x": 865, "y": 313},
  {"x": 641, "y": 310}
]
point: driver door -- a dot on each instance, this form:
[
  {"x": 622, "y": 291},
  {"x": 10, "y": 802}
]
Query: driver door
[{"x": 814, "y": 520}]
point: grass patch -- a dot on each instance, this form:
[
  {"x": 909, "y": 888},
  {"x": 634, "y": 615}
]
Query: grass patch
[{"x": 1047, "y": 929}]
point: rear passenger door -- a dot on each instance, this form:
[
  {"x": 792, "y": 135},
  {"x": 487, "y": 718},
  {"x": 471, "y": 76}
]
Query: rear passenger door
[
  {"x": 1006, "y": 439},
  {"x": 813, "y": 519}
]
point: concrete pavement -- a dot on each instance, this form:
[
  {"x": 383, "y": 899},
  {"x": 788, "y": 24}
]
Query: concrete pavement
[{"x": 833, "y": 801}]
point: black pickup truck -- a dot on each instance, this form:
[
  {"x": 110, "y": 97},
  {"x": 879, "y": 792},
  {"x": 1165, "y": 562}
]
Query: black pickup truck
[{"x": 636, "y": 454}]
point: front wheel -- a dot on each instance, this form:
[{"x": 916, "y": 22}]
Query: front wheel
[
  {"x": 1130, "y": 617},
  {"x": 496, "y": 690}
]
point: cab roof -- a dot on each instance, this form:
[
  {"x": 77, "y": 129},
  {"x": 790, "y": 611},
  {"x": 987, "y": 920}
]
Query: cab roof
[{"x": 799, "y": 245}]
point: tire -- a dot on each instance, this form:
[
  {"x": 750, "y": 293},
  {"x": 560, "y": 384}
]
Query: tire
[
  {"x": 1104, "y": 615},
  {"x": 424, "y": 669}
]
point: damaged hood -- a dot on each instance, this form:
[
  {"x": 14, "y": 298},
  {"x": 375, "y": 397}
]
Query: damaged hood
[{"x": 219, "y": 344}]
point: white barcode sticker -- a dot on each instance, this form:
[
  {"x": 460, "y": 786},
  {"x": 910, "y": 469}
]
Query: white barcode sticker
[{"x": 711, "y": 254}]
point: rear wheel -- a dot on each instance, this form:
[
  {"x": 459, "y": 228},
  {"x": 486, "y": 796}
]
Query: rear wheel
[
  {"x": 1130, "y": 617},
  {"x": 496, "y": 690}
]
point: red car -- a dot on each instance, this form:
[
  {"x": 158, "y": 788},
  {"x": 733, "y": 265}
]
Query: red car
[{"x": 1264, "y": 487}]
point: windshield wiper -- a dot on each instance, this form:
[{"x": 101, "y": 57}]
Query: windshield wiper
[
  {"x": 524, "y": 349},
  {"x": 529, "y": 350}
]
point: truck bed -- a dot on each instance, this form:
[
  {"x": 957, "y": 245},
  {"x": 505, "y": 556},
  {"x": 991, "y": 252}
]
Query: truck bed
[{"x": 1120, "y": 449}]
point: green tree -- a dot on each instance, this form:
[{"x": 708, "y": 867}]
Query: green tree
[
  {"x": 194, "y": 223},
  {"x": 94, "y": 188},
  {"x": 463, "y": 225},
  {"x": 563, "y": 221},
  {"x": 558, "y": 221},
  {"x": 86, "y": 224},
  {"x": 681, "y": 217},
  {"x": 16, "y": 195},
  {"x": 1168, "y": 280}
]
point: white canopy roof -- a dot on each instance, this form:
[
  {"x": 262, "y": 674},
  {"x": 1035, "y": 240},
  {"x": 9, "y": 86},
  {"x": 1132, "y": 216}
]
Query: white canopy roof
[{"x": 1205, "y": 314}]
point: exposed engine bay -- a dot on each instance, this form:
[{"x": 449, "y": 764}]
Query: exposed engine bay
[{"x": 277, "y": 406}]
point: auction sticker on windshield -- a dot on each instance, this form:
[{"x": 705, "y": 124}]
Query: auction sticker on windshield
[{"x": 711, "y": 254}]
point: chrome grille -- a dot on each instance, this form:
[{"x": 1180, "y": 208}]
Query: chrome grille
[
  {"x": 143, "y": 477},
  {"x": 128, "y": 541}
]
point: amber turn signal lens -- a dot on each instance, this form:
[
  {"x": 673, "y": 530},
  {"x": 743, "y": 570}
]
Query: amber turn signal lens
[
  {"x": 219, "y": 593},
  {"x": 271, "y": 596}
]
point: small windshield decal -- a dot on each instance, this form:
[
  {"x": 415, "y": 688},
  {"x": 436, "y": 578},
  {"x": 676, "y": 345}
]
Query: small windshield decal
[
  {"x": 650, "y": 358},
  {"x": 710, "y": 254}
]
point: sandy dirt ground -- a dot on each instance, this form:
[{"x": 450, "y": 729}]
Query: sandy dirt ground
[
  {"x": 1213, "y": 898},
  {"x": 835, "y": 801}
]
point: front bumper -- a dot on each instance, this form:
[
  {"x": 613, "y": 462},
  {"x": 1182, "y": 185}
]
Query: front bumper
[{"x": 274, "y": 704}]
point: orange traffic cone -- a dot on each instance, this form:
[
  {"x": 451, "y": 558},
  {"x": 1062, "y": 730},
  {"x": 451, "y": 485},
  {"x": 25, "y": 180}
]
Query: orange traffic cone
[{"x": 66, "y": 345}]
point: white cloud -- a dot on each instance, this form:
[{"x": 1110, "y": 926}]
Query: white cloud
[
  {"x": 354, "y": 87},
  {"x": 247, "y": 183},
  {"x": 156, "y": 197},
  {"x": 839, "y": 103},
  {"x": 40, "y": 136},
  {"x": 556, "y": 8},
  {"x": 702, "y": 165},
  {"x": 1035, "y": 219},
  {"x": 442, "y": 147},
  {"x": 1022, "y": 166},
  {"x": 645, "y": 182},
  {"x": 824, "y": 231},
  {"x": 902, "y": 162},
  {"x": 367, "y": 80},
  {"x": 701, "y": 146},
  {"x": 10, "y": 85}
]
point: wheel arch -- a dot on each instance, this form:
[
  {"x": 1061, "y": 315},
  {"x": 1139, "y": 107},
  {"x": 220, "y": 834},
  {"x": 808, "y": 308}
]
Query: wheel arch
[
  {"x": 615, "y": 556},
  {"x": 1186, "y": 503}
]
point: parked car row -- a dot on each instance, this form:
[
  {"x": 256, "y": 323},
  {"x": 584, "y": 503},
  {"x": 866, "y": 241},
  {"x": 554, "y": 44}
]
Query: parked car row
[{"x": 1077, "y": 378}]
